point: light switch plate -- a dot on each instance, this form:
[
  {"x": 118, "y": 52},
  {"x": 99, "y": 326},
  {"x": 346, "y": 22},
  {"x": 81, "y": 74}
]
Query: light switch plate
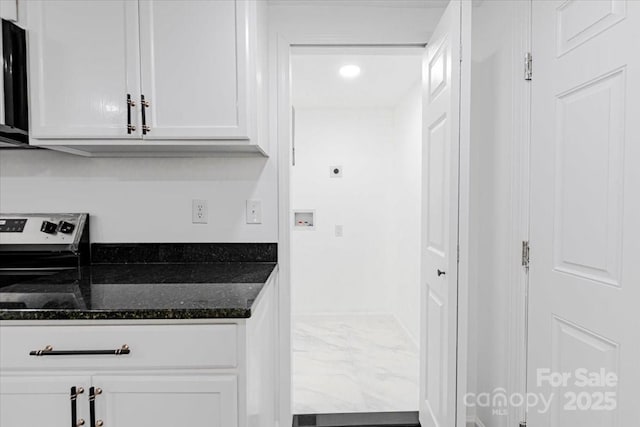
[{"x": 254, "y": 212}]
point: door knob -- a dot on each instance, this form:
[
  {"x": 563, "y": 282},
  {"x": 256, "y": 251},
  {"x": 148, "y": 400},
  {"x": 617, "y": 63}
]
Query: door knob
[{"x": 440, "y": 272}]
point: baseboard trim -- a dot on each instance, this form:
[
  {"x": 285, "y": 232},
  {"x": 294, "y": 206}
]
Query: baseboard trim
[
  {"x": 406, "y": 330},
  {"x": 474, "y": 421}
]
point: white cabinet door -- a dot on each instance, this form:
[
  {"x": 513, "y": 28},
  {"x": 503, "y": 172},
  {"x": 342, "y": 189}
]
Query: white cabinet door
[
  {"x": 167, "y": 401},
  {"x": 194, "y": 66},
  {"x": 41, "y": 401},
  {"x": 83, "y": 61}
]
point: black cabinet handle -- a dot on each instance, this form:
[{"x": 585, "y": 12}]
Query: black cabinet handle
[
  {"x": 92, "y": 407},
  {"x": 441, "y": 273},
  {"x": 75, "y": 422},
  {"x": 93, "y": 393},
  {"x": 145, "y": 104},
  {"x": 49, "y": 351},
  {"x": 130, "y": 103},
  {"x": 74, "y": 410}
]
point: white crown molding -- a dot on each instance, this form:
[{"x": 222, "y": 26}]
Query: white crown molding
[{"x": 408, "y": 4}]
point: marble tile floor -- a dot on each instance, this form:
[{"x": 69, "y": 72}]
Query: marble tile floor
[{"x": 353, "y": 363}]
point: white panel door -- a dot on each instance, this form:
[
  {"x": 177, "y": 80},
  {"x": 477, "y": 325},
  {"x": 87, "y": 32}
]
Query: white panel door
[
  {"x": 440, "y": 166},
  {"x": 194, "y": 68},
  {"x": 42, "y": 401},
  {"x": 167, "y": 401},
  {"x": 83, "y": 61},
  {"x": 585, "y": 217}
]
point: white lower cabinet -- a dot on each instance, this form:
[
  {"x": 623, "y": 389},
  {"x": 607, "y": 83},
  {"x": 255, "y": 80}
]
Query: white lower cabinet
[
  {"x": 120, "y": 400},
  {"x": 29, "y": 401},
  {"x": 206, "y": 373},
  {"x": 166, "y": 401}
]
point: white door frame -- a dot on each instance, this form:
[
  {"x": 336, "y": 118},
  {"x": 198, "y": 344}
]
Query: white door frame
[{"x": 281, "y": 49}]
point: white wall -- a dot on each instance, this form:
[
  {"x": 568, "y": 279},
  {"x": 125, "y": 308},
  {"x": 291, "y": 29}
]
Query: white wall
[
  {"x": 144, "y": 200},
  {"x": 350, "y": 273},
  {"x": 407, "y": 196},
  {"x": 374, "y": 267},
  {"x": 353, "y": 22},
  {"x": 497, "y": 105}
]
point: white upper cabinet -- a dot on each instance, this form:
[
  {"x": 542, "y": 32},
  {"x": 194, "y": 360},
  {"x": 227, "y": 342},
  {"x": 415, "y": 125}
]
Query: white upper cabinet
[
  {"x": 192, "y": 69},
  {"x": 83, "y": 61}
]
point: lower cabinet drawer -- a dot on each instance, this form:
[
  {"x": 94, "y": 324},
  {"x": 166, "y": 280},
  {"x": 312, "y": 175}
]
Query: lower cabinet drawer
[{"x": 141, "y": 347}]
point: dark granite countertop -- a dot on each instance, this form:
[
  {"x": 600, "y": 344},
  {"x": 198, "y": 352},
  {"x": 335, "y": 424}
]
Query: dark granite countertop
[{"x": 140, "y": 291}]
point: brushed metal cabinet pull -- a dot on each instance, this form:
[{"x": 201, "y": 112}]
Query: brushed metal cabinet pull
[
  {"x": 145, "y": 104},
  {"x": 130, "y": 103}
]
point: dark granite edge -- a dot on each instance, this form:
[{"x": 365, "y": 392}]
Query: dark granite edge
[
  {"x": 163, "y": 314},
  {"x": 153, "y": 253},
  {"x": 144, "y": 314}
]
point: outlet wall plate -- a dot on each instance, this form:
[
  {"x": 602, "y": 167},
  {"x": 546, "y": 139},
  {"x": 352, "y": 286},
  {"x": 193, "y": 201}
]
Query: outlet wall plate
[
  {"x": 199, "y": 212},
  {"x": 335, "y": 171}
]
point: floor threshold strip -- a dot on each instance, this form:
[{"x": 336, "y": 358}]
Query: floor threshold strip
[{"x": 360, "y": 419}]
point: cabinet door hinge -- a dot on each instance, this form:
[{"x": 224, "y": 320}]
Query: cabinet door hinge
[
  {"x": 528, "y": 66},
  {"x": 525, "y": 254}
]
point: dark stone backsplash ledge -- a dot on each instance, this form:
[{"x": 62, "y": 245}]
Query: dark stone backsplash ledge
[{"x": 156, "y": 253}]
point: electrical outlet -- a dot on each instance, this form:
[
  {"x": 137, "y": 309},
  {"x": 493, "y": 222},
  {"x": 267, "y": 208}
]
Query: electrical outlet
[
  {"x": 254, "y": 212},
  {"x": 199, "y": 212}
]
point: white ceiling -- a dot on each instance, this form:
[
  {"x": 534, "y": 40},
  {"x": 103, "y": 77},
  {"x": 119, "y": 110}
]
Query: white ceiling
[{"x": 383, "y": 81}]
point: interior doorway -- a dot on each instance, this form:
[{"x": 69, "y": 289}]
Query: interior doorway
[{"x": 355, "y": 231}]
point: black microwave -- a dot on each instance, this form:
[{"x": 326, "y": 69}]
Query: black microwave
[{"x": 14, "y": 114}]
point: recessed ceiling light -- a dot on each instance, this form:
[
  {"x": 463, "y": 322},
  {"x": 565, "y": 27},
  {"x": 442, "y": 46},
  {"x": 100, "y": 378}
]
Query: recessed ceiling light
[{"x": 349, "y": 71}]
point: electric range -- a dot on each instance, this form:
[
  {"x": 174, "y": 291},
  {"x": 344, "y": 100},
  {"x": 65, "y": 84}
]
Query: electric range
[{"x": 35, "y": 246}]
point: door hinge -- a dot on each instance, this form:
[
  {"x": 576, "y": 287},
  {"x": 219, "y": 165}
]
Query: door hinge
[
  {"x": 525, "y": 254},
  {"x": 528, "y": 66},
  {"x": 293, "y": 136}
]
